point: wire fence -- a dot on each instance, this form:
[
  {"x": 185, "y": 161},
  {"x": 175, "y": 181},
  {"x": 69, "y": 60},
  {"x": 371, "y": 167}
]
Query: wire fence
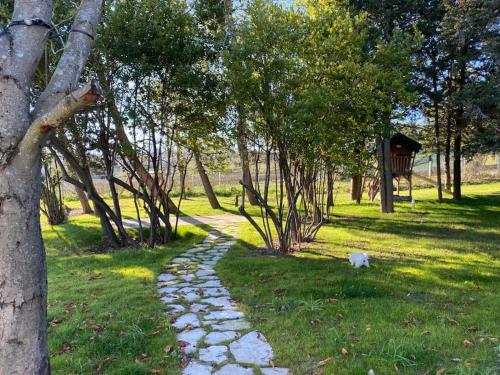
[{"x": 226, "y": 182}]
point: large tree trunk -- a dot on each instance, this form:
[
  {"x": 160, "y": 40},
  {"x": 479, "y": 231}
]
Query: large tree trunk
[
  {"x": 23, "y": 274},
  {"x": 212, "y": 198},
  {"x": 24, "y": 128}
]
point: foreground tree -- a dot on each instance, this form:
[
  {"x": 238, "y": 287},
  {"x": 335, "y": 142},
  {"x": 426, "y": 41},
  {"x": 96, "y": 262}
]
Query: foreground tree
[{"x": 25, "y": 123}]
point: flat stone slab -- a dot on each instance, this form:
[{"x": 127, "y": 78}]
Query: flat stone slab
[
  {"x": 220, "y": 302},
  {"x": 191, "y": 337},
  {"x": 211, "y": 284},
  {"x": 213, "y": 354},
  {"x": 186, "y": 320},
  {"x": 175, "y": 309},
  {"x": 166, "y": 277},
  {"x": 198, "y": 307},
  {"x": 167, "y": 290},
  {"x": 252, "y": 348},
  {"x": 215, "y": 292},
  {"x": 214, "y": 338},
  {"x": 205, "y": 273},
  {"x": 169, "y": 298},
  {"x": 196, "y": 368},
  {"x": 234, "y": 370},
  {"x": 275, "y": 371},
  {"x": 231, "y": 325},
  {"x": 224, "y": 315}
]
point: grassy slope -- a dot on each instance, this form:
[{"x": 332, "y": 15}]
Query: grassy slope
[
  {"x": 104, "y": 313},
  {"x": 433, "y": 283}
]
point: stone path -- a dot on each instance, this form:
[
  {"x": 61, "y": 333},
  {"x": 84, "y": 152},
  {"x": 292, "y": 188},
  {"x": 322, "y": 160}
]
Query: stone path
[{"x": 214, "y": 336}]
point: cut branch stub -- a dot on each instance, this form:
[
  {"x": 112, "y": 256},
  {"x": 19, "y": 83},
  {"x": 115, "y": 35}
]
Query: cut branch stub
[{"x": 55, "y": 116}]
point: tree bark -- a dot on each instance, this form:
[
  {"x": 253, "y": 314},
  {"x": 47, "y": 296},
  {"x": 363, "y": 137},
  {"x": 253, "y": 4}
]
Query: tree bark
[
  {"x": 23, "y": 272},
  {"x": 212, "y": 198},
  {"x": 356, "y": 188},
  {"x": 447, "y": 158},
  {"x": 457, "y": 164},
  {"x": 437, "y": 139},
  {"x": 245, "y": 161},
  {"x": 84, "y": 201},
  {"x": 386, "y": 185}
]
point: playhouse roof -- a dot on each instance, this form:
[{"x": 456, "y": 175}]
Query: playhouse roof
[{"x": 405, "y": 142}]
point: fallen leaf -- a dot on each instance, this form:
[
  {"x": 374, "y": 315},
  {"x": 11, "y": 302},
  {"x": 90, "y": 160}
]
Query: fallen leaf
[
  {"x": 472, "y": 329},
  {"x": 324, "y": 362},
  {"x": 440, "y": 371},
  {"x": 452, "y": 321},
  {"x": 94, "y": 277},
  {"x": 344, "y": 351},
  {"x": 279, "y": 291},
  {"x": 167, "y": 349},
  {"x": 468, "y": 344},
  {"x": 143, "y": 358}
]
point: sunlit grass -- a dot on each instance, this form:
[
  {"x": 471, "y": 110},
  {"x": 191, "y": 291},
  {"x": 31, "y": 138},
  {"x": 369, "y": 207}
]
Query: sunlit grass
[
  {"x": 104, "y": 312},
  {"x": 433, "y": 283}
]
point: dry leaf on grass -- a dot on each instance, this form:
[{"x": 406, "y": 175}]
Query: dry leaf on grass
[{"x": 324, "y": 362}]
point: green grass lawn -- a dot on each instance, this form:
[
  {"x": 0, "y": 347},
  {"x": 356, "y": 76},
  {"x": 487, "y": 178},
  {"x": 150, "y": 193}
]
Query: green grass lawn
[
  {"x": 429, "y": 301},
  {"x": 433, "y": 283},
  {"x": 104, "y": 313}
]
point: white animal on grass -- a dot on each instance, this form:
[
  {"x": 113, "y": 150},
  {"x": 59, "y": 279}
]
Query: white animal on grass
[{"x": 359, "y": 260}]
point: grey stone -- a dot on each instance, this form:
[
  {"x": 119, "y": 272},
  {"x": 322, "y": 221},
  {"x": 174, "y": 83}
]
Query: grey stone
[
  {"x": 214, "y": 354},
  {"x": 191, "y": 337},
  {"x": 169, "y": 298},
  {"x": 252, "y": 348},
  {"x": 215, "y": 292},
  {"x": 214, "y": 338},
  {"x": 205, "y": 273},
  {"x": 234, "y": 370},
  {"x": 231, "y": 325},
  {"x": 167, "y": 289},
  {"x": 275, "y": 371},
  {"x": 224, "y": 315},
  {"x": 220, "y": 302},
  {"x": 181, "y": 260},
  {"x": 166, "y": 277},
  {"x": 196, "y": 368},
  {"x": 175, "y": 309},
  {"x": 198, "y": 307},
  {"x": 190, "y": 297},
  {"x": 188, "y": 277},
  {"x": 186, "y": 320}
]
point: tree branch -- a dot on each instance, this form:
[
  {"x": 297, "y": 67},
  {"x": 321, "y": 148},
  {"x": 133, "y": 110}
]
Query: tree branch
[
  {"x": 65, "y": 108},
  {"x": 74, "y": 58}
]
